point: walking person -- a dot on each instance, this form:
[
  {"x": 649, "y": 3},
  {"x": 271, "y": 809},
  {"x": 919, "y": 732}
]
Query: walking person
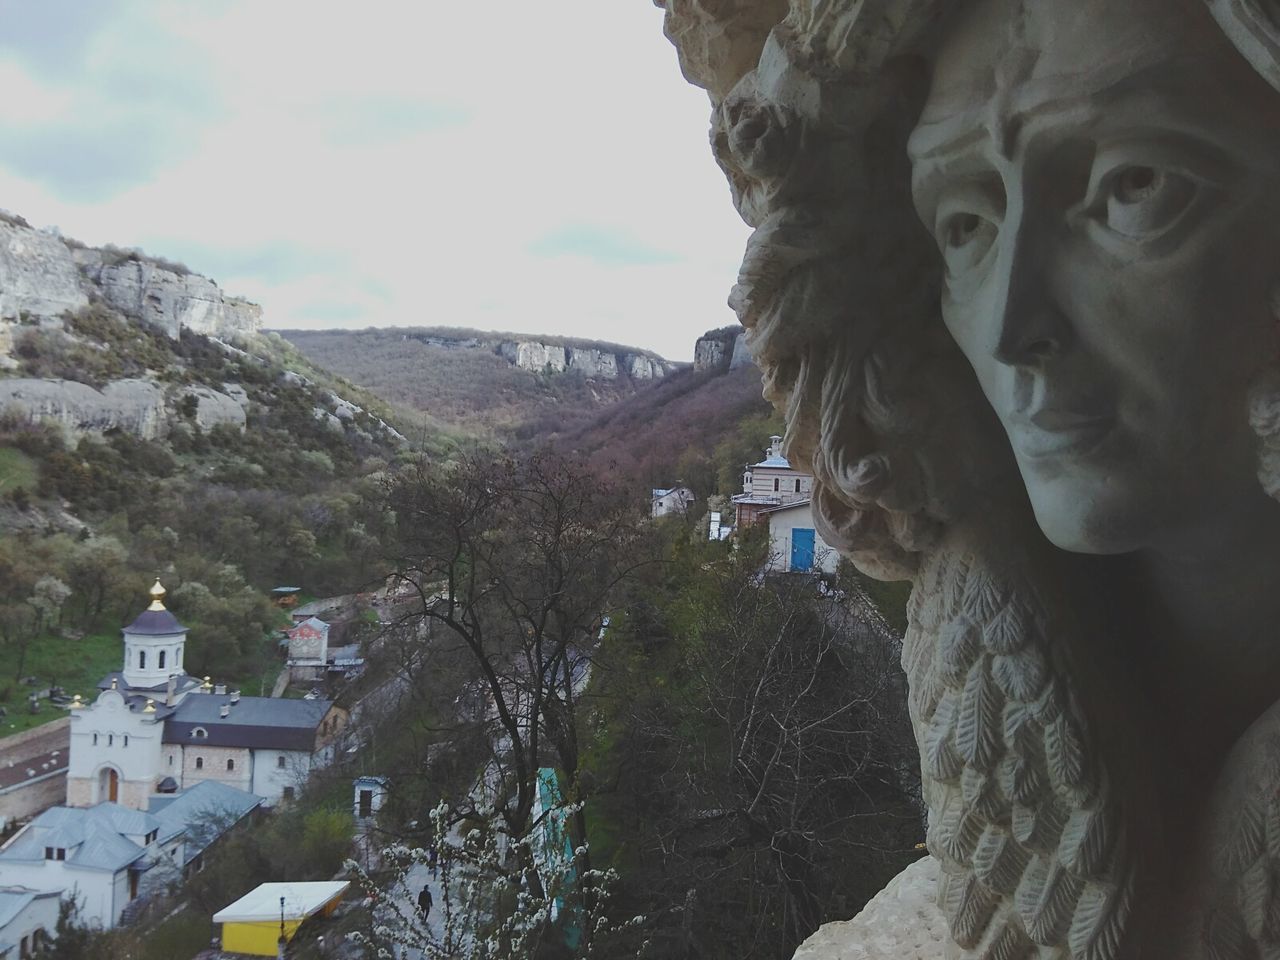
[{"x": 425, "y": 901}]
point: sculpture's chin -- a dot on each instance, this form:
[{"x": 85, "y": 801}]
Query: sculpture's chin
[{"x": 1080, "y": 518}]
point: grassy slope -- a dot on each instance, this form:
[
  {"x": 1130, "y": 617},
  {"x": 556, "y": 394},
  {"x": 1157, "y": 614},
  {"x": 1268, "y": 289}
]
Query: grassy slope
[{"x": 17, "y": 470}]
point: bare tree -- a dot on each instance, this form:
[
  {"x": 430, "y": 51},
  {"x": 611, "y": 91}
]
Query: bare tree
[{"x": 515, "y": 564}]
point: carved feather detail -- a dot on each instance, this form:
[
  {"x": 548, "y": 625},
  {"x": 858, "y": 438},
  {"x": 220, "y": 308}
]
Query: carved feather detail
[
  {"x": 981, "y": 719},
  {"x": 1020, "y": 817},
  {"x": 1046, "y": 900}
]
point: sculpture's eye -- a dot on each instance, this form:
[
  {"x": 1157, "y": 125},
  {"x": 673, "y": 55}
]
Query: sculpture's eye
[
  {"x": 1141, "y": 201},
  {"x": 965, "y": 238}
]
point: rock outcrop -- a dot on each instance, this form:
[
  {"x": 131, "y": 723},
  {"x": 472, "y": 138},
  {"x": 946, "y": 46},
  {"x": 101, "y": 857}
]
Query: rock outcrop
[
  {"x": 140, "y": 407},
  {"x": 724, "y": 349},
  {"x": 592, "y": 362},
  {"x": 137, "y": 406},
  {"x": 38, "y": 276},
  {"x": 901, "y": 922},
  {"x": 167, "y": 299},
  {"x": 43, "y": 276}
]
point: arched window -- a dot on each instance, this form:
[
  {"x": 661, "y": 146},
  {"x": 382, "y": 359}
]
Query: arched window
[
  {"x": 199, "y": 763},
  {"x": 111, "y": 739},
  {"x": 797, "y": 491},
  {"x": 161, "y": 665},
  {"x": 231, "y": 764},
  {"x": 280, "y": 762},
  {"x": 775, "y": 484},
  {"x": 95, "y": 739},
  {"x": 126, "y": 739},
  {"x": 142, "y": 659},
  {"x": 177, "y": 657}
]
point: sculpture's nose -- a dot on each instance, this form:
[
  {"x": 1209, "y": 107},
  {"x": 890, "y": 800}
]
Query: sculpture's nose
[{"x": 1030, "y": 328}]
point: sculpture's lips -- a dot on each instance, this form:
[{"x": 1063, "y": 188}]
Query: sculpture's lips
[{"x": 1055, "y": 433}]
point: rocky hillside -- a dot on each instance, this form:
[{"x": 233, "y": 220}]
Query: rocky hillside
[
  {"x": 43, "y": 275},
  {"x": 489, "y": 384},
  {"x": 723, "y": 349}
]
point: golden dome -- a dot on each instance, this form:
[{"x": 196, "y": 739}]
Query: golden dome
[{"x": 157, "y": 596}]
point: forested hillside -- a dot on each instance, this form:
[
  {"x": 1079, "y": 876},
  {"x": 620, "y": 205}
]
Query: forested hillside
[
  {"x": 460, "y": 381},
  {"x": 241, "y": 468}
]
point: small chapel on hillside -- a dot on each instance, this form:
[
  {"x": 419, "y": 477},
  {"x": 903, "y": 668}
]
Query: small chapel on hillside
[{"x": 154, "y": 730}]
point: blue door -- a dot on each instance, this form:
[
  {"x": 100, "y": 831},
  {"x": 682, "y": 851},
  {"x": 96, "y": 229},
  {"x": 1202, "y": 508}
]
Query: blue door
[{"x": 801, "y": 549}]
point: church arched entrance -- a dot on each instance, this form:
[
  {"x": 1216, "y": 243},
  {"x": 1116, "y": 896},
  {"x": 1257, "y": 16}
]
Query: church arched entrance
[{"x": 108, "y": 784}]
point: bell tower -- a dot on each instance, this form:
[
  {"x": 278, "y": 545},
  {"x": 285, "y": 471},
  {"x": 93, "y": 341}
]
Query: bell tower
[{"x": 153, "y": 645}]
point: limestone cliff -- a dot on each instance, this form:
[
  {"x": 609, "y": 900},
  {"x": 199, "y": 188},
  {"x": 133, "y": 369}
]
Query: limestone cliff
[
  {"x": 723, "y": 349},
  {"x": 592, "y": 362},
  {"x": 42, "y": 276}
]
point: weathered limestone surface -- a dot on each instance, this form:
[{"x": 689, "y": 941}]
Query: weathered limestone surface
[
  {"x": 169, "y": 300},
  {"x": 38, "y": 276},
  {"x": 721, "y": 352},
  {"x": 1012, "y": 283},
  {"x": 215, "y": 408},
  {"x": 901, "y": 922},
  {"x": 137, "y": 406},
  {"x": 133, "y": 405},
  {"x": 42, "y": 276},
  {"x": 541, "y": 357}
]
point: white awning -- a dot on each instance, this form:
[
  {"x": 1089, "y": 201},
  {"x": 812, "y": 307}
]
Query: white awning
[{"x": 263, "y": 902}]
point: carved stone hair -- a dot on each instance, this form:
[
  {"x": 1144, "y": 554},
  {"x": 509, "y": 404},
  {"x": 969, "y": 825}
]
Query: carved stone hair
[{"x": 1031, "y": 812}]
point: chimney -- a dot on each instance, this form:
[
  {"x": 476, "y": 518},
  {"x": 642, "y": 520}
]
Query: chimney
[
  {"x": 171, "y": 691},
  {"x": 235, "y": 697},
  {"x": 220, "y": 689},
  {"x": 224, "y": 711}
]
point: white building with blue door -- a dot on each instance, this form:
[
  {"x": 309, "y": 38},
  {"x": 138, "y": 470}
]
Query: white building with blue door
[{"x": 794, "y": 543}]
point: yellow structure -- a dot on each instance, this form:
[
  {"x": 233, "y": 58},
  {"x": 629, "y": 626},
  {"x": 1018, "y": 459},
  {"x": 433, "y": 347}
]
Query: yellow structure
[{"x": 253, "y": 923}]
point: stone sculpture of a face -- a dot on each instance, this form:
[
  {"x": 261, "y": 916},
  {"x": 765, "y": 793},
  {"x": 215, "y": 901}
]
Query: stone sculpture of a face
[{"x": 1100, "y": 192}]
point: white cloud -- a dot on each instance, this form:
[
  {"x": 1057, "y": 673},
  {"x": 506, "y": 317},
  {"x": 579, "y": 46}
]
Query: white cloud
[{"x": 423, "y": 153}]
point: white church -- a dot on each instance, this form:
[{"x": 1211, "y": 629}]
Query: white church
[{"x": 154, "y": 730}]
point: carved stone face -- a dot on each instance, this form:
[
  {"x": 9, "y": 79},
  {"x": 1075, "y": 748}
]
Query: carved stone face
[{"x": 1106, "y": 200}]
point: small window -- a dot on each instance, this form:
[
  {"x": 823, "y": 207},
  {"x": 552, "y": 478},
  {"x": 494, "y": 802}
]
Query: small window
[
  {"x": 199, "y": 733},
  {"x": 775, "y": 484},
  {"x": 177, "y": 657},
  {"x": 171, "y": 759},
  {"x": 111, "y": 739},
  {"x": 199, "y": 763},
  {"x": 162, "y": 652},
  {"x": 95, "y": 739},
  {"x": 288, "y": 793},
  {"x": 231, "y": 764},
  {"x": 126, "y": 739},
  {"x": 55, "y": 853},
  {"x": 280, "y": 762},
  {"x": 142, "y": 659},
  {"x": 797, "y": 491}
]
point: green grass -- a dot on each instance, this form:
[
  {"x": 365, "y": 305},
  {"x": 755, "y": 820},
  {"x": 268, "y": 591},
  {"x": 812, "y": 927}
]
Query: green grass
[
  {"x": 77, "y": 666},
  {"x": 74, "y": 665},
  {"x": 17, "y": 470}
]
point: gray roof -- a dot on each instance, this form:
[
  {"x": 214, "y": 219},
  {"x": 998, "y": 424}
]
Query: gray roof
[
  {"x": 95, "y": 838},
  {"x": 258, "y": 722},
  {"x": 13, "y": 900},
  {"x": 155, "y": 623},
  {"x": 205, "y": 812}
]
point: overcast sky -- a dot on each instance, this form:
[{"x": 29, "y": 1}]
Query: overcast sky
[{"x": 510, "y": 165}]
